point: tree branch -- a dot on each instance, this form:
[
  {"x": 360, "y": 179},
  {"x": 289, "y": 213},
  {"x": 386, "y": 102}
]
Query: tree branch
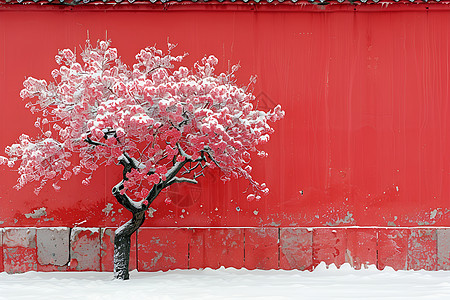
[
  {"x": 198, "y": 175},
  {"x": 190, "y": 169},
  {"x": 157, "y": 188},
  {"x": 214, "y": 161},
  {"x": 183, "y": 153},
  {"x": 181, "y": 179},
  {"x": 130, "y": 163},
  {"x": 94, "y": 143},
  {"x": 125, "y": 201}
]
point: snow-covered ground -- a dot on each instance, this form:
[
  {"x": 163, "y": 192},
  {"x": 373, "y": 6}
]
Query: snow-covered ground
[{"x": 322, "y": 283}]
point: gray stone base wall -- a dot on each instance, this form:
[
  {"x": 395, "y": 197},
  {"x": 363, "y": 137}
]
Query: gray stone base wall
[{"x": 154, "y": 249}]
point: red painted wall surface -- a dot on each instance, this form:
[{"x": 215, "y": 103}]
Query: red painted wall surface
[{"x": 365, "y": 140}]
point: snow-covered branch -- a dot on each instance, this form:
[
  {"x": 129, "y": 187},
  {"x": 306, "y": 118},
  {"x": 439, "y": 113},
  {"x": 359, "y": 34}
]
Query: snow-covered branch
[
  {"x": 125, "y": 201},
  {"x": 181, "y": 179}
]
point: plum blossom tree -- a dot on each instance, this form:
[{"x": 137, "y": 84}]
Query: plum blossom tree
[{"x": 162, "y": 124}]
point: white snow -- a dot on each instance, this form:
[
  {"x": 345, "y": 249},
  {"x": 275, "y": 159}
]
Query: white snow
[{"x": 322, "y": 283}]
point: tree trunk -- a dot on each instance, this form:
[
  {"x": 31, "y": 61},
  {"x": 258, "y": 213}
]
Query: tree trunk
[
  {"x": 122, "y": 238},
  {"x": 122, "y": 245}
]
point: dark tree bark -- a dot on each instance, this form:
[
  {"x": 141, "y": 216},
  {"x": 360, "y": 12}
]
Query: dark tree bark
[
  {"x": 122, "y": 245},
  {"x": 122, "y": 239}
]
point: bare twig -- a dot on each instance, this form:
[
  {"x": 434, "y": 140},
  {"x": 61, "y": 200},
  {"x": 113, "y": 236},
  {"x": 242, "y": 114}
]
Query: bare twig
[{"x": 94, "y": 143}]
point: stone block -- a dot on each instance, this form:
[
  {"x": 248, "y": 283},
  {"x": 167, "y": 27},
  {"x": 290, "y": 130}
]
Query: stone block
[
  {"x": 422, "y": 249},
  {"x": 19, "y": 237},
  {"x": 443, "y": 249},
  {"x": 296, "y": 249},
  {"x": 216, "y": 247},
  {"x": 85, "y": 249},
  {"x": 361, "y": 247},
  {"x": 19, "y": 250},
  {"x": 107, "y": 250},
  {"x": 329, "y": 245},
  {"x": 162, "y": 249},
  {"x": 393, "y": 248},
  {"x": 261, "y": 248},
  {"x": 53, "y": 246}
]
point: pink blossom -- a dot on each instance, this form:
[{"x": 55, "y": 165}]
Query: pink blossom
[
  {"x": 161, "y": 169},
  {"x": 76, "y": 170},
  {"x": 24, "y": 94},
  {"x": 66, "y": 175},
  {"x": 56, "y": 187},
  {"x": 103, "y": 45},
  {"x": 3, "y": 160},
  {"x": 153, "y": 178}
]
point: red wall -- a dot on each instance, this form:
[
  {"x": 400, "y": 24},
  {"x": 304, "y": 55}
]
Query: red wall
[{"x": 365, "y": 140}]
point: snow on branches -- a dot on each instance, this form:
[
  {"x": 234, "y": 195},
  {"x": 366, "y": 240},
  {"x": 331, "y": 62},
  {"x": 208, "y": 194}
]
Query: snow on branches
[{"x": 155, "y": 119}]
